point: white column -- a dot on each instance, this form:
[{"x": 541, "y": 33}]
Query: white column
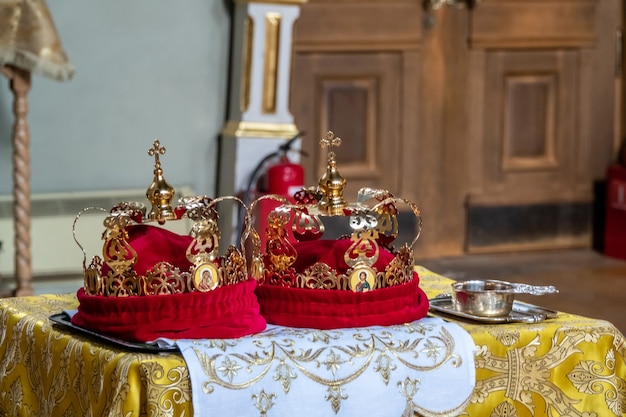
[{"x": 259, "y": 120}]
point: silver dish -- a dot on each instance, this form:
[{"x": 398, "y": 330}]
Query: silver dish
[
  {"x": 491, "y": 298},
  {"x": 521, "y": 312}
]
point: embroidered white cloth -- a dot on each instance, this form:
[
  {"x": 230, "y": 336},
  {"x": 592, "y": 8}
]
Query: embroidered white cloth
[{"x": 426, "y": 366}]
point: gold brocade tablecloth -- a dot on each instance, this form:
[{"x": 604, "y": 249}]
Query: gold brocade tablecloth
[{"x": 568, "y": 366}]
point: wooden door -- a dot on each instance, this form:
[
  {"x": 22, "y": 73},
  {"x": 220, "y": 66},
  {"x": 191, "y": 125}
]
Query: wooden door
[{"x": 496, "y": 119}]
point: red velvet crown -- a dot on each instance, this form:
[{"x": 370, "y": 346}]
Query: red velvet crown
[
  {"x": 152, "y": 282},
  {"x": 356, "y": 280}
]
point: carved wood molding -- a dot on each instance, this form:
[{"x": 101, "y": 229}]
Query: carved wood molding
[
  {"x": 356, "y": 26},
  {"x": 546, "y": 24}
]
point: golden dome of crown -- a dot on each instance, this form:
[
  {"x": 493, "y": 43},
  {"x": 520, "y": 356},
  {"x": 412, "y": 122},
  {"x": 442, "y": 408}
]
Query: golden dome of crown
[
  {"x": 296, "y": 255},
  {"x": 139, "y": 257}
]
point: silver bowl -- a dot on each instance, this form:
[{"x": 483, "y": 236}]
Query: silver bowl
[{"x": 485, "y": 298}]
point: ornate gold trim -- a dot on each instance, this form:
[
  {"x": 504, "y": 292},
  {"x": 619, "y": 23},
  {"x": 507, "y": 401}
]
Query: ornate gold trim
[
  {"x": 114, "y": 273},
  {"x": 373, "y": 219},
  {"x": 246, "y": 64},
  {"x": 260, "y": 130},
  {"x": 270, "y": 64}
]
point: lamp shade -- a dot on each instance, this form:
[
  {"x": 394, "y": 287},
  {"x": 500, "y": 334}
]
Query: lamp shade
[{"x": 29, "y": 40}]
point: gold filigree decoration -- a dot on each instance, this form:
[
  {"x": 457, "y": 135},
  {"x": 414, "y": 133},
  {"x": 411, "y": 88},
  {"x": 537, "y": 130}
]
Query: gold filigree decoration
[
  {"x": 507, "y": 338},
  {"x": 117, "y": 252},
  {"x": 373, "y": 219},
  {"x": 383, "y": 351},
  {"x": 221, "y": 344},
  {"x": 432, "y": 350},
  {"x": 122, "y": 280},
  {"x": 93, "y": 280},
  {"x": 438, "y": 348},
  {"x": 205, "y": 245},
  {"x": 234, "y": 269},
  {"x": 121, "y": 285},
  {"x": 384, "y": 366},
  {"x": 305, "y": 225},
  {"x": 333, "y": 362},
  {"x": 213, "y": 372},
  {"x": 256, "y": 261},
  {"x": 323, "y": 336},
  {"x": 281, "y": 252},
  {"x": 164, "y": 279},
  {"x": 114, "y": 274},
  {"x": 399, "y": 269},
  {"x": 524, "y": 373},
  {"x": 591, "y": 377},
  {"x": 387, "y": 220},
  {"x": 364, "y": 249},
  {"x": 504, "y": 409},
  {"x": 335, "y": 394},
  {"x": 419, "y": 327},
  {"x": 15, "y": 397},
  {"x": 169, "y": 388},
  {"x": 264, "y": 402},
  {"x": 322, "y": 276},
  {"x": 46, "y": 371},
  {"x": 229, "y": 369},
  {"x": 408, "y": 389},
  {"x": 284, "y": 374}
]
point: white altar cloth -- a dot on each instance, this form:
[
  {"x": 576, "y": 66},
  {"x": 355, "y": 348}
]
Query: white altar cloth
[{"x": 426, "y": 366}]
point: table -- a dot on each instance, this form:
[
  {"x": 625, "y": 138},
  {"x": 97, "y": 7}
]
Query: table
[{"x": 567, "y": 366}]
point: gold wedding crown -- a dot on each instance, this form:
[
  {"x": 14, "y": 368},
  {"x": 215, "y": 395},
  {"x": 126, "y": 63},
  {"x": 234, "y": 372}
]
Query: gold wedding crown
[
  {"x": 115, "y": 273},
  {"x": 373, "y": 219}
]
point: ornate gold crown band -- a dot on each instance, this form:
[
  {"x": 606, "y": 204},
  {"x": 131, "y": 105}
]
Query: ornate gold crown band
[
  {"x": 114, "y": 274},
  {"x": 373, "y": 226}
]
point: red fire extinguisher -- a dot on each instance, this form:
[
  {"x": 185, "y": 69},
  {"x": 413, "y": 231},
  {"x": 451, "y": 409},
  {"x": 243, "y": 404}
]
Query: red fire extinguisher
[
  {"x": 275, "y": 174},
  {"x": 284, "y": 178}
]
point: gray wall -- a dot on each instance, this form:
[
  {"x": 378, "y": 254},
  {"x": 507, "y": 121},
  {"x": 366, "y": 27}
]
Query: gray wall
[{"x": 145, "y": 69}]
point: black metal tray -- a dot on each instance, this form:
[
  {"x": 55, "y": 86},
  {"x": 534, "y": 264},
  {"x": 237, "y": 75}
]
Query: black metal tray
[
  {"x": 521, "y": 312},
  {"x": 64, "y": 320}
]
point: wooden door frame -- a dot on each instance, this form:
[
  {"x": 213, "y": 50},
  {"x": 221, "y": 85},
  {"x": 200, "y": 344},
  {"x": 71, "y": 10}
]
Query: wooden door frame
[{"x": 441, "y": 163}]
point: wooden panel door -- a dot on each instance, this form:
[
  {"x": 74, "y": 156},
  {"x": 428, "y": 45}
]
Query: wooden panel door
[
  {"x": 497, "y": 119},
  {"x": 351, "y": 76},
  {"x": 549, "y": 121},
  {"x": 356, "y": 96}
]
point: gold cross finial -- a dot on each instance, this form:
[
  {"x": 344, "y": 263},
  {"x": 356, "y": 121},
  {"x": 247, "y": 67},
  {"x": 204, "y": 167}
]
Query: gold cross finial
[
  {"x": 160, "y": 193},
  {"x": 329, "y": 141},
  {"x": 332, "y": 183},
  {"x": 155, "y": 151}
]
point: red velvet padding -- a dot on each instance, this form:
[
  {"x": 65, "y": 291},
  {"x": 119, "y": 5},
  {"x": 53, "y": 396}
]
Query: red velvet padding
[
  {"x": 154, "y": 244},
  {"x": 227, "y": 312},
  {"x": 334, "y": 309},
  {"x": 332, "y": 252}
]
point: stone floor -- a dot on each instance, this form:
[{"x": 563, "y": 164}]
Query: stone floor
[{"x": 589, "y": 283}]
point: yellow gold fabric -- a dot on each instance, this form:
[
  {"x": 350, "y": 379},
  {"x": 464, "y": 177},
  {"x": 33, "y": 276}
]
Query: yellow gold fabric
[
  {"x": 568, "y": 366},
  {"x": 29, "y": 39},
  {"x": 45, "y": 371}
]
